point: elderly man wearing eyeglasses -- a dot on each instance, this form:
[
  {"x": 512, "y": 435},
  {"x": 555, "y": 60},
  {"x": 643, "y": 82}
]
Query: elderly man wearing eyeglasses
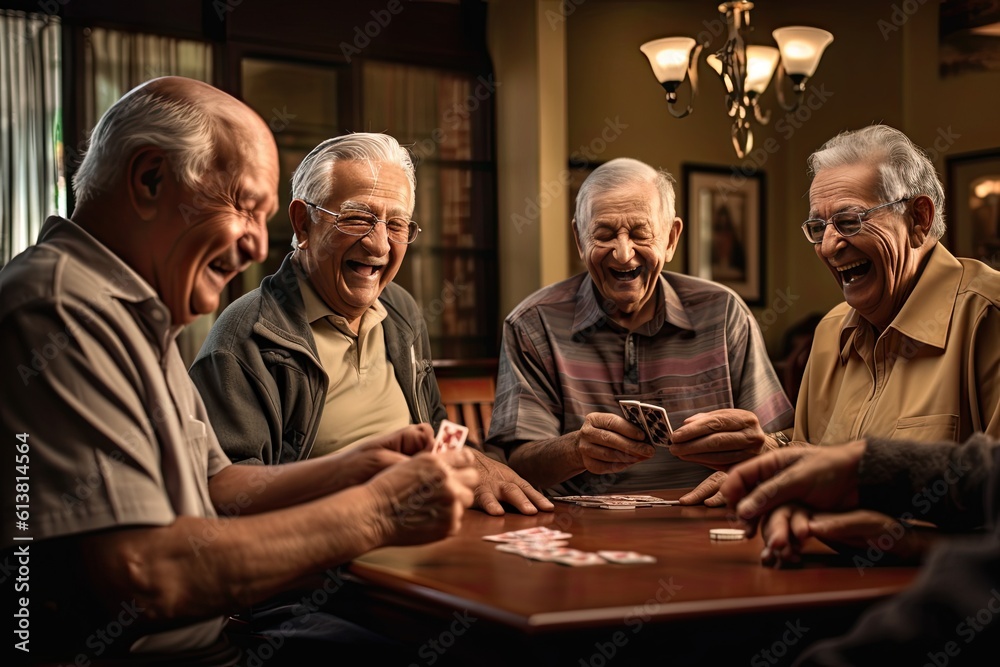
[
  {"x": 329, "y": 351},
  {"x": 914, "y": 351}
]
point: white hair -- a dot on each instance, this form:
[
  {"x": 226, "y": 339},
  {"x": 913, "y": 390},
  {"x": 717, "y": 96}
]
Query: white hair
[
  {"x": 144, "y": 117},
  {"x": 618, "y": 173},
  {"x": 312, "y": 180},
  {"x": 904, "y": 169}
]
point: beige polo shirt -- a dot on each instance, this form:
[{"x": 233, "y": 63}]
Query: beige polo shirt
[
  {"x": 932, "y": 375},
  {"x": 363, "y": 398}
]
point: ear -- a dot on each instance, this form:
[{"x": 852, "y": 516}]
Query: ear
[
  {"x": 673, "y": 237},
  {"x": 576, "y": 237},
  {"x": 147, "y": 172},
  {"x": 921, "y": 219},
  {"x": 298, "y": 213}
]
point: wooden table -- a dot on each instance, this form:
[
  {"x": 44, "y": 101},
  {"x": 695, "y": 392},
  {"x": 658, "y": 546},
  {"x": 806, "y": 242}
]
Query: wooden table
[{"x": 460, "y": 601}]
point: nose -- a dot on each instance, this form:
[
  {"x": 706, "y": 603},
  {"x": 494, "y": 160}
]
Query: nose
[
  {"x": 832, "y": 241},
  {"x": 377, "y": 240},
  {"x": 253, "y": 243},
  {"x": 623, "y": 249}
]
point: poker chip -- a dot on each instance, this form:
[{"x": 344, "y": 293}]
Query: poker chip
[{"x": 727, "y": 533}]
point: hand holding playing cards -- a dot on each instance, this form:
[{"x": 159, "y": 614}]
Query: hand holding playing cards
[
  {"x": 719, "y": 438},
  {"x": 609, "y": 443},
  {"x": 422, "y": 499},
  {"x": 360, "y": 463}
]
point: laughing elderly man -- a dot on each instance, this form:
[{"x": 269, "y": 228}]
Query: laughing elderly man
[
  {"x": 329, "y": 351},
  {"x": 628, "y": 330},
  {"x": 914, "y": 351},
  {"x": 127, "y": 479}
]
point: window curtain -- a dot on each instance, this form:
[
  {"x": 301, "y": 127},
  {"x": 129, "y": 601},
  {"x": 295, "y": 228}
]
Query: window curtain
[
  {"x": 116, "y": 62},
  {"x": 31, "y": 186}
]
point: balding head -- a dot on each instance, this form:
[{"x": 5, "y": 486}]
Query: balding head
[
  {"x": 188, "y": 119},
  {"x": 179, "y": 182}
]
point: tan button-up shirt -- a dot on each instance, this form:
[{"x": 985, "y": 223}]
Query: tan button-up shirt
[{"x": 932, "y": 375}]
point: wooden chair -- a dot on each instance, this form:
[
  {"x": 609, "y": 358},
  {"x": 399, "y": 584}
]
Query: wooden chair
[{"x": 469, "y": 401}]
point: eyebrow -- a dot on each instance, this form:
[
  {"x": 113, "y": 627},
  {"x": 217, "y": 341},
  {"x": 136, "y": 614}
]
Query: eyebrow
[{"x": 351, "y": 205}]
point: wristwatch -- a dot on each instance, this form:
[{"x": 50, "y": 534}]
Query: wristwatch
[{"x": 780, "y": 438}]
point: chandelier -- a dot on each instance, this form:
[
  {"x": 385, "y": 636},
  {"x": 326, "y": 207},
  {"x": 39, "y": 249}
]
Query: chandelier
[{"x": 745, "y": 70}]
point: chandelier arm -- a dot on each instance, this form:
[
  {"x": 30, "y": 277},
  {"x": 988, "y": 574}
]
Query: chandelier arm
[
  {"x": 797, "y": 89},
  {"x": 693, "y": 76}
]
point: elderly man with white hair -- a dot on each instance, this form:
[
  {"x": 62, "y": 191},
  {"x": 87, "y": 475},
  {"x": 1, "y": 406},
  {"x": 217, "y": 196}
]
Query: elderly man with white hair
[
  {"x": 627, "y": 329},
  {"x": 329, "y": 352}
]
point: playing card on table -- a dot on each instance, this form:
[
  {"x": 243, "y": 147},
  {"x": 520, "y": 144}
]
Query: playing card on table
[
  {"x": 536, "y": 534},
  {"x": 625, "y": 557},
  {"x": 657, "y": 424},
  {"x": 575, "y": 558},
  {"x": 633, "y": 413},
  {"x": 450, "y": 436}
]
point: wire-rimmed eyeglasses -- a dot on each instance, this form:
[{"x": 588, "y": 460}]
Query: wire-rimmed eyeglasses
[
  {"x": 847, "y": 223},
  {"x": 361, "y": 223}
]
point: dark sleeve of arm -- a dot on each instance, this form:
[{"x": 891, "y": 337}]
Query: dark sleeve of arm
[
  {"x": 941, "y": 483},
  {"x": 950, "y": 612},
  {"x": 238, "y": 408}
]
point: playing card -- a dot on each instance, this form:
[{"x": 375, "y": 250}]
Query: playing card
[
  {"x": 657, "y": 424},
  {"x": 576, "y": 558},
  {"x": 450, "y": 436},
  {"x": 633, "y": 413},
  {"x": 626, "y": 557},
  {"x": 537, "y": 534}
]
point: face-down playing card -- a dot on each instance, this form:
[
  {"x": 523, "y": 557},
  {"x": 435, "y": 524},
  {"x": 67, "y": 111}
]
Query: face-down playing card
[
  {"x": 633, "y": 413},
  {"x": 657, "y": 424}
]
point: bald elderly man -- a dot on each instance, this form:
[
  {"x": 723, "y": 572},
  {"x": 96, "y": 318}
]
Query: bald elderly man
[{"x": 139, "y": 523}]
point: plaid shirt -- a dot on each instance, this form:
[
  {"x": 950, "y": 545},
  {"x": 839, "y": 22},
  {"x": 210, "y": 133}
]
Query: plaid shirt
[{"x": 563, "y": 358}]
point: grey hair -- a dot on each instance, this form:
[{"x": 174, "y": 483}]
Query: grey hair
[
  {"x": 312, "y": 180},
  {"x": 618, "y": 173},
  {"x": 145, "y": 117},
  {"x": 904, "y": 169}
]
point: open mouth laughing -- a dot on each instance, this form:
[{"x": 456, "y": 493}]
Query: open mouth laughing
[
  {"x": 626, "y": 276},
  {"x": 366, "y": 269},
  {"x": 853, "y": 271}
]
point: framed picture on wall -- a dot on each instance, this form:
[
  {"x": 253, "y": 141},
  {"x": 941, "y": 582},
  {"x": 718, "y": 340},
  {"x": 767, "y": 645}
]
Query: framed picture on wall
[
  {"x": 972, "y": 205},
  {"x": 724, "y": 217}
]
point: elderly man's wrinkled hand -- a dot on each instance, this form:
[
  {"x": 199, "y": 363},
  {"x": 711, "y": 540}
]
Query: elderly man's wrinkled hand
[
  {"x": 499, "y": 484},
  {"x": 423, "y": 498},
  {"x": 823, "y": 478},
  {"x": 719, "y": 438},
  {"x": 708, "y": 492},
  {"x": 608, "y": 443}
]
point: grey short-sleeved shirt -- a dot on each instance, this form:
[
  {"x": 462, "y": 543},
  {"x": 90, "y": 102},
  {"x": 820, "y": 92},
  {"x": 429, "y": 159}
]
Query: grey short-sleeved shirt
[{"x": 117, "y": 433}]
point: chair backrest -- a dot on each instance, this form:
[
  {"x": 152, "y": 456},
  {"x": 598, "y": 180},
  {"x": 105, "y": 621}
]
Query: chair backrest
[{"x": 469, "y": 401}]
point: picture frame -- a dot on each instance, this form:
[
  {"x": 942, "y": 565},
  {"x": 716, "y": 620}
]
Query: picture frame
[
  {"x": 724, "y": 214},
  {"x": 972, "y": 205}
]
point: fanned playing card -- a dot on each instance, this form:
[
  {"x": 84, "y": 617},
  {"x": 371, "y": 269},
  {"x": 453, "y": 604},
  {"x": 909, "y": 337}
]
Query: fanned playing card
[
  {"x": 633, "y": 412},
  {"x": 657, "y": 424},
  {"x": 450, "y": 436}
]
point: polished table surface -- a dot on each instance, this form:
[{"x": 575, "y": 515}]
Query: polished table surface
[{"x": 695, "y": 583}]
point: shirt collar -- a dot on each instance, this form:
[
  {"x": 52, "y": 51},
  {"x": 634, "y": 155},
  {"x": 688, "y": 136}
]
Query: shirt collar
[
  {"x": 591, "y": 314},
  {"x": 118, "y": 280},
  {"x": 317, "y": 309},
  {"x": 926, "y": 315}
]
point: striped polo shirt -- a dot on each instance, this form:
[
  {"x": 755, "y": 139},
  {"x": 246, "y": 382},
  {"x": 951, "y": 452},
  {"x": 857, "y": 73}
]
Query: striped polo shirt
[{"x": 563, "y": 357}]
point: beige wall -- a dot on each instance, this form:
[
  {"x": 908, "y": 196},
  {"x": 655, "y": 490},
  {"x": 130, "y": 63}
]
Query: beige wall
[{"x": 868, "y": 74}]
